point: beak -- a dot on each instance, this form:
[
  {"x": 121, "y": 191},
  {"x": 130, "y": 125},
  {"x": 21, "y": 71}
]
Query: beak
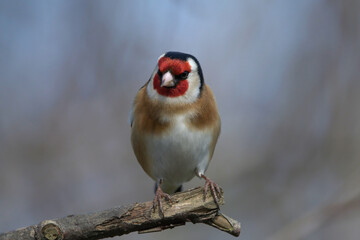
[{"x": 167, "y": 80}]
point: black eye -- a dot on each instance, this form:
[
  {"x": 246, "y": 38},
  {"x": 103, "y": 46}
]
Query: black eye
[
  {"x": 184, "y": 75},
  {"x": 159, "y": 73}
]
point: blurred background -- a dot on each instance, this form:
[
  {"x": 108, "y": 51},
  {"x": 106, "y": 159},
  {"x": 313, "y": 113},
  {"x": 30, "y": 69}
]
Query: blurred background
[{"x": 285, "y": 75}]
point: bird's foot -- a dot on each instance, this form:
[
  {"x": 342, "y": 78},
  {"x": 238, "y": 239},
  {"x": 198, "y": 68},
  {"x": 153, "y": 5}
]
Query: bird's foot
[
  {"x": 159, "y": 194},
  {"x": 214, "y": 188}
]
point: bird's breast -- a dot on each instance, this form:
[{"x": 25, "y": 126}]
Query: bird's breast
[{"x": 178, "y": 151}]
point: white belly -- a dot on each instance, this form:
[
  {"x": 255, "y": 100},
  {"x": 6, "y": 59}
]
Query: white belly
[{"x": 178, "y": 153}]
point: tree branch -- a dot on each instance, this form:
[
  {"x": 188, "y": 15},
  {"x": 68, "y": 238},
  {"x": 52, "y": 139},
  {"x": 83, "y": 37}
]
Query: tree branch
[{"x": 188, "y": 206}]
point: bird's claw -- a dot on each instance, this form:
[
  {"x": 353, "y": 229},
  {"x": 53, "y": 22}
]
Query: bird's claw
[
  {"x": 214, "y": 188},
  {"x": 157, "y": 200}
]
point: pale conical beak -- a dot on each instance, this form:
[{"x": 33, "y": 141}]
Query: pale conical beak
[{"x": 167, "y": 80}]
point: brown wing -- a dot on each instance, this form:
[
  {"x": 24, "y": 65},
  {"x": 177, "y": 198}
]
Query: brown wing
[
  {"x": 145, "y": 122},
  {"x": 207, "y": 116}
]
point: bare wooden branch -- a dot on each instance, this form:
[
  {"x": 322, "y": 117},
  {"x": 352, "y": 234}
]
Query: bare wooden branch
[{"x": 189, "y": 206}]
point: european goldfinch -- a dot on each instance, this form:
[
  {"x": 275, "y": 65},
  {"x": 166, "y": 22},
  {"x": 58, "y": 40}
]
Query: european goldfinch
[{"x": 175, "y": 125}]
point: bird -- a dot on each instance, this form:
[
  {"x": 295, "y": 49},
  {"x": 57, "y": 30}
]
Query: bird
[{"x": 175, "y": 126}]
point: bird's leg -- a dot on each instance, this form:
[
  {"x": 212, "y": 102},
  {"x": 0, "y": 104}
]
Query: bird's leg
[
  {"x": 214, "y": 188},
  {"x": 157, "y": 199}
]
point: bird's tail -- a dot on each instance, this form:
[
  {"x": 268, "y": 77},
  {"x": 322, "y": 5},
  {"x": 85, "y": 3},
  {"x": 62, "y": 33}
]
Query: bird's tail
[{"x": 169, "y": 189}]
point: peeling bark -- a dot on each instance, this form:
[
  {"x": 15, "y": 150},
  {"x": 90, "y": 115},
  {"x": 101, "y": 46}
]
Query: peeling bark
[{"x": 189, "y": 206}]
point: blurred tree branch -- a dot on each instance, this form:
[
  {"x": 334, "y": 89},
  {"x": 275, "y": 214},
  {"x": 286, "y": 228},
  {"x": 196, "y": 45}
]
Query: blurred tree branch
[
  {"x": 311, "y": 221},
  {"x": 188, "y": 206}
]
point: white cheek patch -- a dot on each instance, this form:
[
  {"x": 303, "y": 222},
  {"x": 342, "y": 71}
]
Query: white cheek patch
[
  {"x": 150, "y": 87},
  {"x": 194, "y": 66},
  {"x": 161, "y": 56},
  {"x": 194, "y": 80}
]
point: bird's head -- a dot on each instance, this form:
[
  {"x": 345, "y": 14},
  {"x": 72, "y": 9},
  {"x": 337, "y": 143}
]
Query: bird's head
[{"x": 176, "y": 78}]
